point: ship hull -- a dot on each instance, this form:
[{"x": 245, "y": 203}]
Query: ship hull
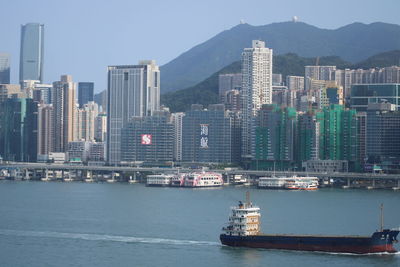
[{"x": 378, "y": 242}]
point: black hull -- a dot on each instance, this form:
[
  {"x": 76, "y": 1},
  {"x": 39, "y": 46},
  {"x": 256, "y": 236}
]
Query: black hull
[{"x": 378, "y": 242}]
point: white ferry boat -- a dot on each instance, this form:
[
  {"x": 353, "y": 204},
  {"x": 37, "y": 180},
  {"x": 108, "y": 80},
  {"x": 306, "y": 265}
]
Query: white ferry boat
[
  {"x": 178, "y": 180},
  {"x": 272, "y": 182},
  {"x": 302, "y": 183},
  {"x": 203, "y": 179},
  {"x": 158, "y": 180}
]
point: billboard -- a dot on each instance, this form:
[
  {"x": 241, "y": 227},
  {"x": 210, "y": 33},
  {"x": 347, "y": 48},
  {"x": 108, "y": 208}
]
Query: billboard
[
  {"x": 203, "y": 135},
  {"x": 146, "y": 139}
]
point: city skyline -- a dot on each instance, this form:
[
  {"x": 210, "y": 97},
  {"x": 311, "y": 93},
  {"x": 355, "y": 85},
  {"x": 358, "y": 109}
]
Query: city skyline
[{"x": 83, "y": 50}]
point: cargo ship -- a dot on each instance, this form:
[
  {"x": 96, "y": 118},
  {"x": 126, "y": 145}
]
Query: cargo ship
[{"x": 243, "y": 230}]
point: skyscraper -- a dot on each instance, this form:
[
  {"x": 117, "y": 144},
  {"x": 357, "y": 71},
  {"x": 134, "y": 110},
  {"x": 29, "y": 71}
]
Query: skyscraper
[
  {"x": 31, "y": 54},
  {"x": 64, "y": 108},
  {"x": 85, "y": 93},
  {"x": 256, "y": 89},
  {"x": 4, "y": 68},
  {"x": 133, "y": 90}
]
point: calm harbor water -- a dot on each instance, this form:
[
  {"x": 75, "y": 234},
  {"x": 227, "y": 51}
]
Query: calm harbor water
[{"x": 78, "y": 224}]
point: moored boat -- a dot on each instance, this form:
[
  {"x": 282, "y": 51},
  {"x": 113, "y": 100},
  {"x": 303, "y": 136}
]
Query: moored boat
[
  {"x": 158, "y": 180},
  {"x": 203, "y": 179}
]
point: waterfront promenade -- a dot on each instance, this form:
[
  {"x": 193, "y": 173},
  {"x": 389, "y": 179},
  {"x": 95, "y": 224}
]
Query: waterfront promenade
[{"x": 36, "y": 171}]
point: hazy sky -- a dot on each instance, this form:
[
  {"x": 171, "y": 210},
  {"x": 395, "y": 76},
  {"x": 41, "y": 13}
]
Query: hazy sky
[{"x": 83, "y": 37}]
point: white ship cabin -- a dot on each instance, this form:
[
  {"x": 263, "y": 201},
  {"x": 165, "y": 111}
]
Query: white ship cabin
[
  {"x": 271, "y": 182},
  {"x": 158, "y": 180},
  {"x": 244, "y": 220}
]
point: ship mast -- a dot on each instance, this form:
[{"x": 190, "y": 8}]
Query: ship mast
[{"x": 381, "y": 217}]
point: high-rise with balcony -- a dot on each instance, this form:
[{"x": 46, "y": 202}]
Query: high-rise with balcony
[
  {"x": 133, "y": 90},
  {"x": 256, "y": 90},
  {"x": 31, "y": 53}
]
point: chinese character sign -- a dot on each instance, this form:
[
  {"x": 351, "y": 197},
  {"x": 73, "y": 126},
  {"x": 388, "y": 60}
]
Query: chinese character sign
[
  {"x": 203, "y": 135},
  {"x": 146, "y": 139}
]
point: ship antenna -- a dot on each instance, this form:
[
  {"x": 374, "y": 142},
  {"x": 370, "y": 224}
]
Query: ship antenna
[
  {"x": 247, "y": 197},
  {"x": 382, "y": 217}
]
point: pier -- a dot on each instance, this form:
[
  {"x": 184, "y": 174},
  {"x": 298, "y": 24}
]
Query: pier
[{"x": 68, "y": 172}]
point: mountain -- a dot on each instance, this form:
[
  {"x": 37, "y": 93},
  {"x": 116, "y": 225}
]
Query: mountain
[
  {"x": 353, "y": 43},
  {"x": 206, "y": 92}
]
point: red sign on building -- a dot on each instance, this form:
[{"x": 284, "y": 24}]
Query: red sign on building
[{"x": 146, "y": 139}]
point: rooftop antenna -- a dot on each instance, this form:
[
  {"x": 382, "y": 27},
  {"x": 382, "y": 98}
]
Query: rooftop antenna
[{"x": 382, "y": 217}]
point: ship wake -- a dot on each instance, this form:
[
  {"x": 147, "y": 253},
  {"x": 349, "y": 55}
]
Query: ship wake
[{"x": 109, "y": 238}]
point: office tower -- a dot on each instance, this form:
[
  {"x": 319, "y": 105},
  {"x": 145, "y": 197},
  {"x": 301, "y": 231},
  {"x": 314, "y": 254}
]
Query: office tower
[
  {"x": 295, "y": 83},
  {"x": 323, "y": 73},
  {"x": 133, "y": 91},
  {"x": 177, "y": 120},
  {"x": 78, "y": 151},
  {"x": 207, "y": 135},
  {"x": 256, "y": 89},
  {"x": 96, "y": 151},
  {"x": 4, "y": 68},
  {"x": 85, "y": 121},
  {"x": 275, "y": 135},
  {"x": 32, "y": 51},
  {"x": 363, "y": 94},
  {"x": 64, "y": 108},
  {"x": 85, "y": 93},
  {"x": 45, "y": 129},
  {"x": 383, "y": 137},
  {"x": 277, "y": 79},
  {"x": 308, "y": 136},
  {"x": 101, "y": 100},
  {"x": 18, "y": 130},
  {"x": 338, "y": 135},
  {"x": 232, "y": 100},
  {"x": 229, "y": 81},
  {"x": 100, "y": 126},
  {"x": 148, "y": 139},
  {"x": 42, "y": 93}
]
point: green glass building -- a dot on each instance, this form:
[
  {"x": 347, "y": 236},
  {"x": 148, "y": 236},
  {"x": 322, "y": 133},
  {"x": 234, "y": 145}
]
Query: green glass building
[
  {"x": 338, "y": 135},
  {"x": 363, "y": 94},
  {"x": 18, "y": 130},
  {"x": 275, "y": 138}
]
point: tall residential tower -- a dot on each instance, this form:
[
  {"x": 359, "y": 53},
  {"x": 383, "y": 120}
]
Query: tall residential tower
[{"x": 256, "y": 90}]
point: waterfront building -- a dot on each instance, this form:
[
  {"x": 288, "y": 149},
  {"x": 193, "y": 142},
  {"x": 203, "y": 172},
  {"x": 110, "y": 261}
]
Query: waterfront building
[
  {"x": 133, "y": 91},
  {"x": 45, "y": 134},
  {"x": 207, "y": 135},
  {"x": 32, "y": 51},
  {"x": 383, "y": 137},
  {"x": 100, "y": 126},
  {"x": 85, "y": 121},
  {"x": 85, "y": 93},
  {"x": 78, "y": 151},
  {"x": 4, "y": 68},
  {"x": 307, "y": 137},
  {"x": 256, "y": 90},
  {"x": 148, "y": 139},
  {"x": 326, "y": 166},
  {"x": 177, "y": 120},
  {"x": 338, "y": 135},
  {"x": 96, "y": 151},
  {"x": 275, "y": 135},
  {"x": 64, "y": 109},
  {"x": 363, "y": 94},
  {"x": 18, "y": 130}
]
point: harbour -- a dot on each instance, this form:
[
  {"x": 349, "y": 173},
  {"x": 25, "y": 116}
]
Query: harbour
[{"x": 78, "y": 223}]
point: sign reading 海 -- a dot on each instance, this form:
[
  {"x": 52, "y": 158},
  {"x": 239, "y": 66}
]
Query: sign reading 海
[
  {"x": 203, "y": 135},
  {"x": 146, "y": 139}
]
